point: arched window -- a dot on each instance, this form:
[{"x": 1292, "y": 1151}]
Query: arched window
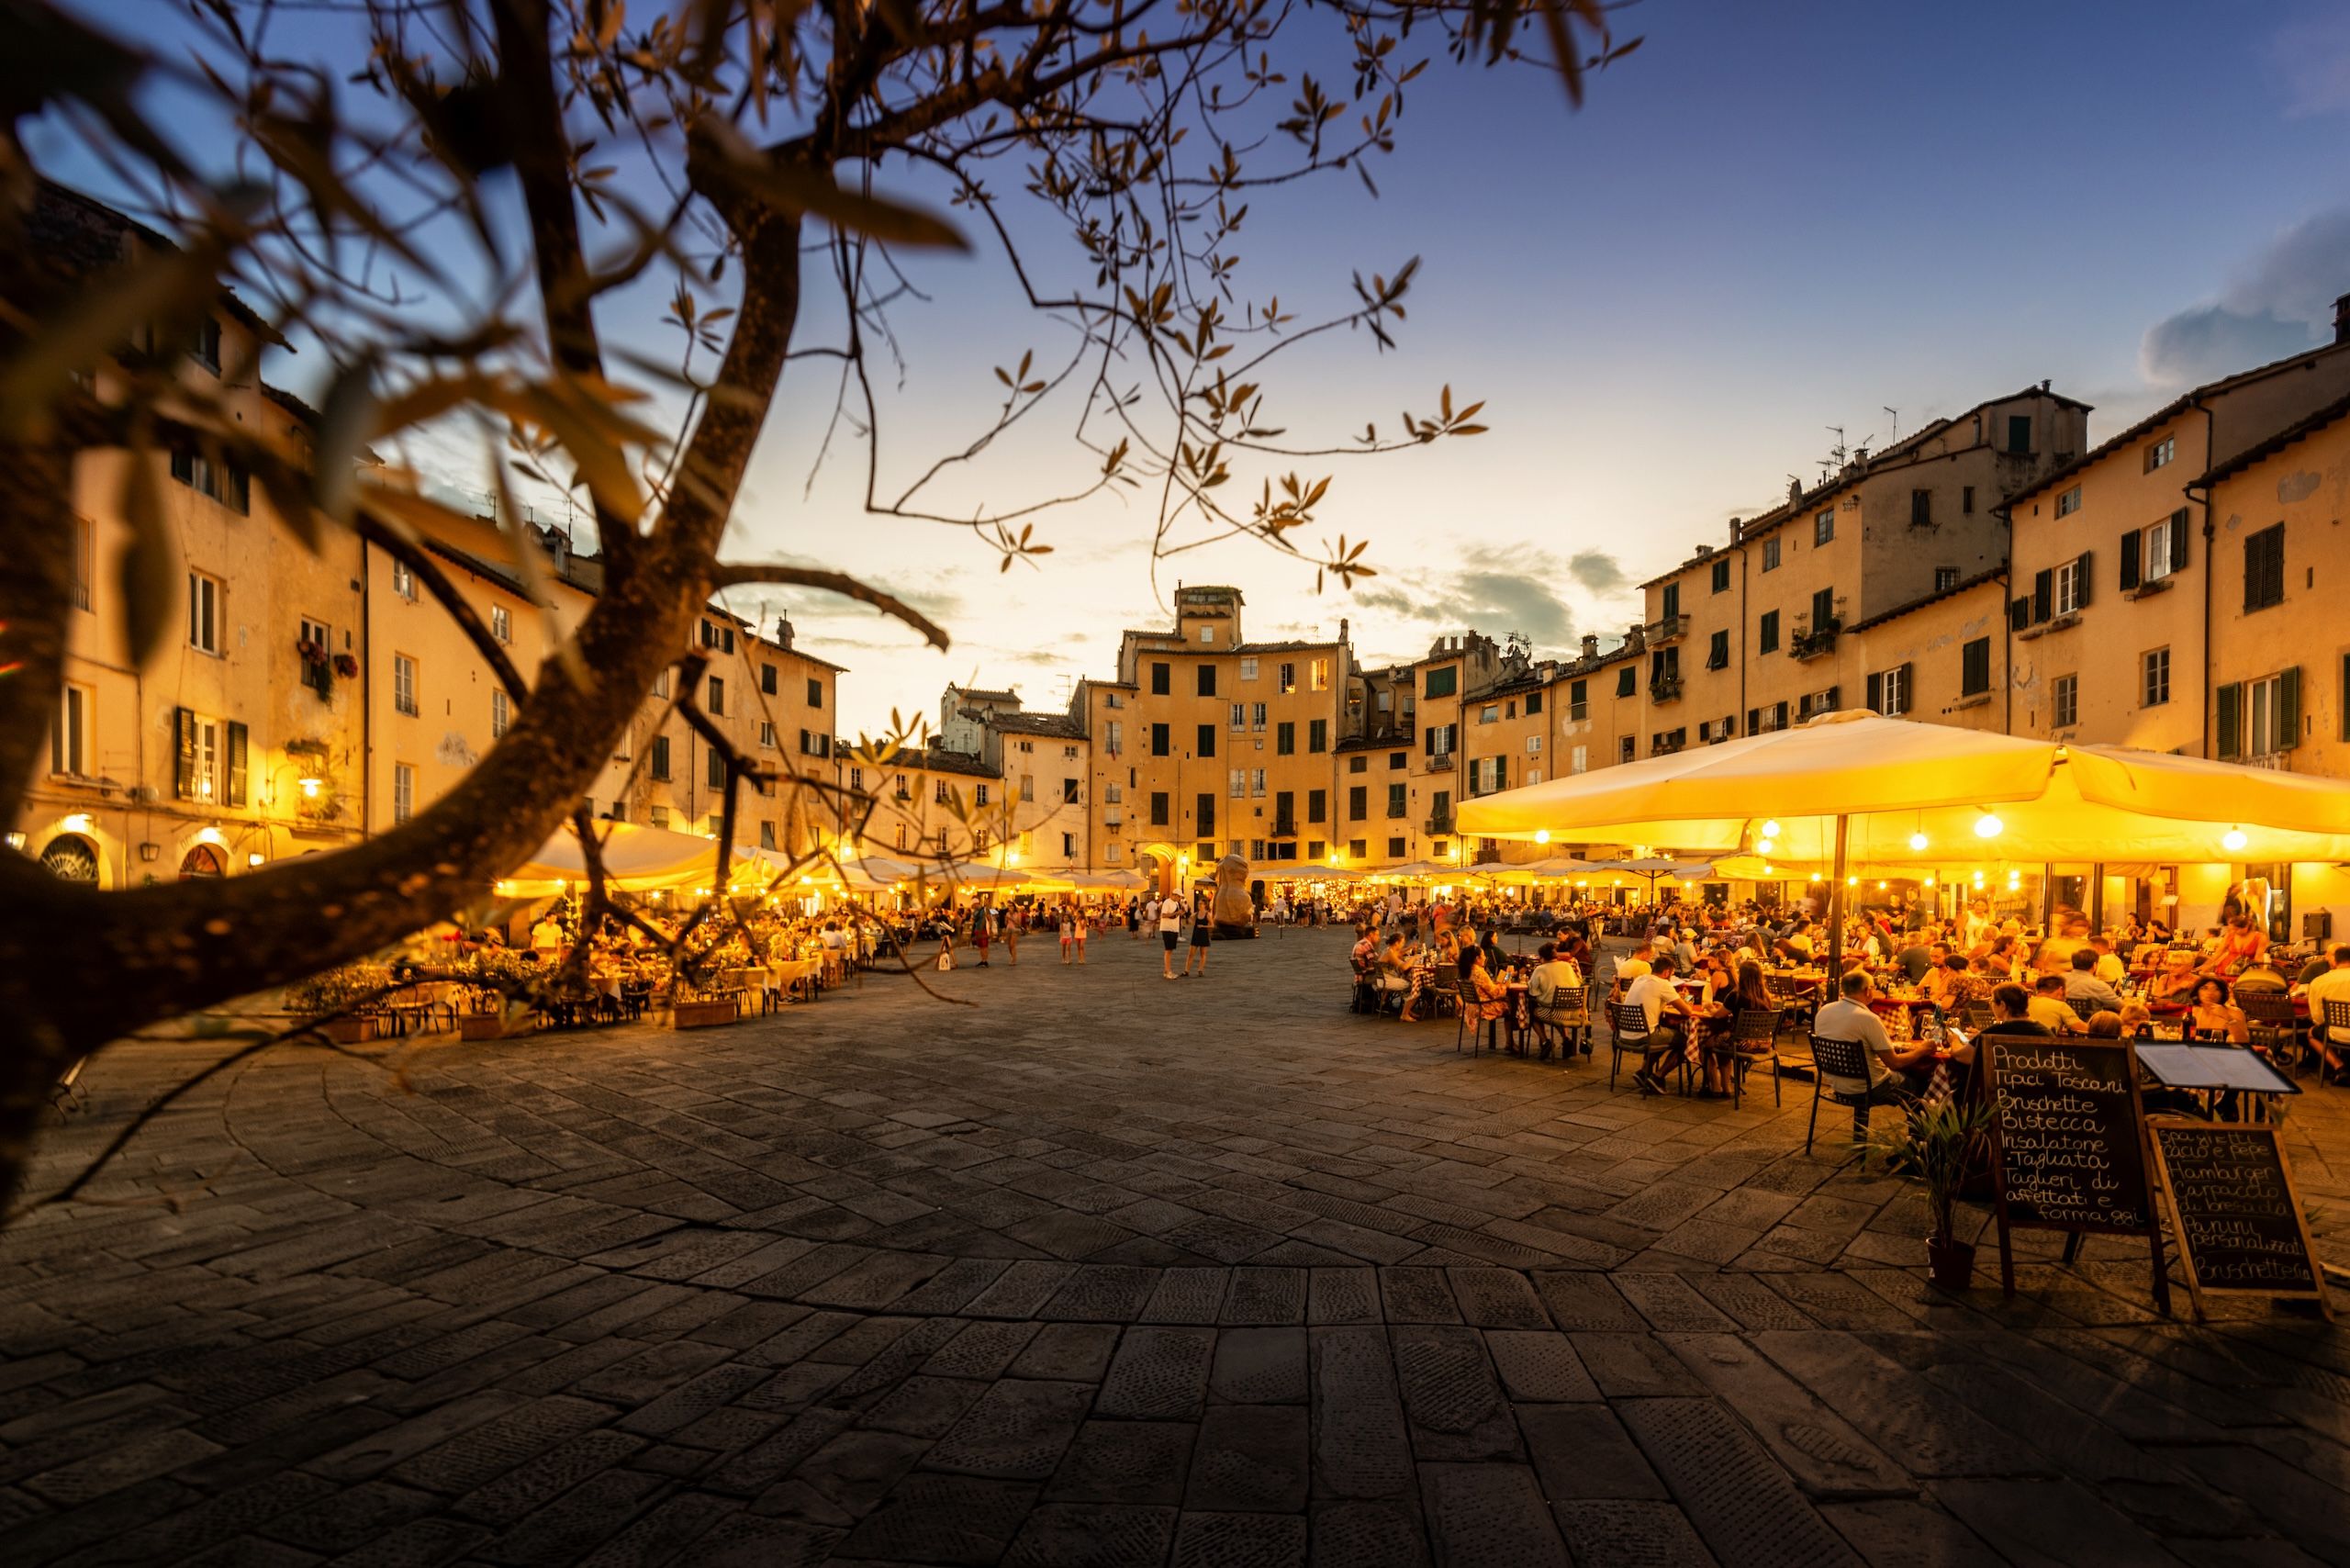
[
  {"x": 202, "y": 860},
  {"x": 71, "y": 859}
]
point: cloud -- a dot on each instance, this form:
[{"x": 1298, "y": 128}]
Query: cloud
[
  {"x": 2277, "y": 305},
  {"x": 1498, "y": 590},
  {"x": 1596, "y": 570},
  {"x": 2312, "y": 58}
]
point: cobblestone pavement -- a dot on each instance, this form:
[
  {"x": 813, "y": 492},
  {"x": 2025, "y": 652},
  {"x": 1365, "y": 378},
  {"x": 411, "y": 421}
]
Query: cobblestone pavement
[{"x": 1104, "y": 1270}]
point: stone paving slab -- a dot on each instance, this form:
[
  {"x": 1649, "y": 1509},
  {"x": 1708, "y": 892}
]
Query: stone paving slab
[{"x": 1290, "y": 1287}]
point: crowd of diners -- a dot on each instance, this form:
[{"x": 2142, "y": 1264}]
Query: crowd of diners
[{"x": 1916, "y": 988}]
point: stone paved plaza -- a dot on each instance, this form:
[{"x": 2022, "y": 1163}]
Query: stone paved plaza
[{"x": 1103, "y": 1270}]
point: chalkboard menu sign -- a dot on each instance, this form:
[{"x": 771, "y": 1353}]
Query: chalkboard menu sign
[
  {"x": 2236, "y": 1215},
  {"x": 2070, "y": 1145}
]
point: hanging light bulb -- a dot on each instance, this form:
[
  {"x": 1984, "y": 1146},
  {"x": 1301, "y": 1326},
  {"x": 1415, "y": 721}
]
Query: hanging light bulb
[
  {"x": 1815, "y": 876},
  {"x": 1541, "y": 835},
  {"x": 1770, "y": 828},
  {"x": 1918, "y": 841},
  {"x": 1880, "y": 887},
  {"x": 1762, "y": 845},
  {"x": 1930, "y": 881},
  {"x": 1851, "y": 881},
  {"x": 2234, "y": 839},
  {"x": 1988, "y": 826}
]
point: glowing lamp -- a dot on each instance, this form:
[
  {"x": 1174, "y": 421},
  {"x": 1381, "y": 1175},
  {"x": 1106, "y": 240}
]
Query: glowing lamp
[
  {"x": 1815, "y": 876},
  {"x": 1988, "y": 826},
  {"x": 2234, "y": 839},
  {"x": 79, "y": 822},
  {"x": 1770, "y": 828},
  {"x": 1930, "y": 881},
  {"x": 1851, "y": 881},
  {"x": 310, "y": 788},
  {"x": 256, "y": 858},
  {"x": 204, "y": 835},
  {"x": 1880, "y": 887},
  {"x": 1762, "y": 846},
  {"x": 1541, "y": 835},
  {"x": 1917, "y": 841}
]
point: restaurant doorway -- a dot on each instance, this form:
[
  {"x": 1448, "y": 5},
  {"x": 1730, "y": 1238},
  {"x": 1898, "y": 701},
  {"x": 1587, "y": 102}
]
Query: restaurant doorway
[
  {"x": 72, "y": 859},
  {"x": 202, "y": 861}
]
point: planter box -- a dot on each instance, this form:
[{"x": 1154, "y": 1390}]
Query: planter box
[
  {"x": 705, "y": 1015},
  {"x": 490, "y": 1026},
  {"x": 345, "y": 1031}
]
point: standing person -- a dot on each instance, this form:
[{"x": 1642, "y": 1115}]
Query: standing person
[
  {"x": 1069, "y": 932},
  {"x": 1171, "y": 929},
  {"x": 1202, "y": 915},
  {"x": 982, "y": 930},
  {"x": 1134, "y": 910},
  {"x": 1014, "y": 919},
  {"x": 1081, "y": 923}
]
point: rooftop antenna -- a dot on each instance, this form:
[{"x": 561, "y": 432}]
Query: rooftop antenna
[{"x": 1895, "y": 436}]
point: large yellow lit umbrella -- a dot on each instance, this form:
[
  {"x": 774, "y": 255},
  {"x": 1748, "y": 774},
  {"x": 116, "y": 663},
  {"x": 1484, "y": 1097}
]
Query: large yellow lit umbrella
[
  {"x": 1853, "y": 786},
  {"x": 636, "y": 859}
]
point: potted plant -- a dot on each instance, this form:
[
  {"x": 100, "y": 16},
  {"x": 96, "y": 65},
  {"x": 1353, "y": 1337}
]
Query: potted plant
[
  {"x": 502, "y": 975},
  {"x": 1937, "y": 1142},
  {"x": 327, "y": 999}
]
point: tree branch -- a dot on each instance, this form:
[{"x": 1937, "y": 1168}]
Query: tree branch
[{"x": 739, "y": 575}]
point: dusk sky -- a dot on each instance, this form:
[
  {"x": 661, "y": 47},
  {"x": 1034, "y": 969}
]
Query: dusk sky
[{"x": 1770, "y": 220}]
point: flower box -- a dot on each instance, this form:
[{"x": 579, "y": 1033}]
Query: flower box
[
  {"x": 491, "y": 1026},
  {"x": 345, "y": 1031},
  {"x": 705, "y": 1015}
]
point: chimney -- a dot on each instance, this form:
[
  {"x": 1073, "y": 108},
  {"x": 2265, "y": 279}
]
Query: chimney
[
  {"x": 783, "y": 631},
  {"x": 1591, "y": 644},
  {"x": 2342, "y": 319},
  {"x": 1342, "y": 628},
  {"x": 1735, "y": 524}
]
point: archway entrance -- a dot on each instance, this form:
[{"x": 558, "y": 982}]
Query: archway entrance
[
  {"x": 202, "y": 860},
  {"x": 71, "y": 859},
  {"x": 1158, "y": 862}
]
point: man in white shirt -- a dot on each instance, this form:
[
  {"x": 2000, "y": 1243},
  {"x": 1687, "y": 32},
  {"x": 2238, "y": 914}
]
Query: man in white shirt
[
  {"x": 1668, "y": 1017},
  {"x": 2332, "y": 986},
  {"x": 1895, "y": 1073},
  {"x": 1171, "y": 928},
  {"x": 1632, "y": 969}
]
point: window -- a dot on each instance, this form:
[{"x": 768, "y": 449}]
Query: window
[
  {"x": 1396, "y": 849},
  {"x": 1444, "y": 682},
  {"x": 1285, "y": 739},
  {"x": 2263, "y": 568},
  {"x": 978, "y": 794},
  {"x": 1823, "y": 527},
  {"x": 225, "y": 483},
  {"x": 1114, "y": 736},
  {"x": 714, "y": 773},
  {"x": 404, "y": 684},
  {"x": 403, "y": 580},
  {"x": 203, "y": 613},
  {"x": 2072, "y": 591},
  {"x": 1317, "y": 805},
  {"x": 1396, "y": 759},
  {"x": 500, "y": 713},
  {"x": 1823, "y": 610},
  {"x": 1771, "y": 553},
  {"x": 1257, "y": 717},
  {"x": 1488, "y": 773},
  {"x": 1207, "y": 740},
  {"x": 717, "y": 636},
  {"x": 1889, "y": 691},
  {"x": 767, "y": 835},
  {"x": 1579, "y": 761},
  {"x": 2019, "y": 432},
  {"x": 1204, "y": 819},
  {"x": 404, "y": 793},
  {"x": 204, "y": 344},
  {"x": 2159, "y": 454},
  {"x": 1069, "y": 791},
  {"x": 1490, "y": 713},
  {"x": 1534, "y": 746},
  {"x": 1288, "y": 681},
  {"x": 1627, "y": 680},
  {"x": 1721, "y": 576},
  {"x": 938, "y": 791},
  {"x": 1206, "y": 674},
  {"x": 2165, "y": 549},
  {"x": 1967, "y": 499},
  {"x": 1317, "y": 734},
  {"x": 1975, "y": 667},
  {"x": 2260, "y": 718},
  {"x": 2065, "y": 701},
  {"x": 69, "y": 735},
  {"x": 1533, "y": 702},
  {"x": 1624, "y": 749},
  {"x": 1578, "y": 700},
  {"x": 1441, "y": 739},
  {"x": 1207, "y": 633},
  {"x": 1358, "y": 803},
  {"x": 1239, "y": 717},
  {"x": 2069, "y": 502},
  {"x": 1028, "y": 787},
  {"x": 1248, "y": 669},
  {"x": 1158, "y": 807},
  {"x": 1766, "y": 632},
  {"x": 815, "y": 691},
  {"x": 767, "y": 733},
  {"x": 84, "y": 544},
  {"x": 2154, "y": 688},
  {"x": 1161, "y": 676},
  {"x": 1921, "y": 509},
  {"x": 1160, "y": 741},
  {"x": 1671, "y": 603},
  {"x": 661, "y": 684},
  {"x": 1945, "y": 578},
  {"x": 1397, "y": 803},
  {"x": 1317, "y": 674},
  {"x": 660, "y": 762},
  {"x": 501, "y": 623},
  {"x": 1257, "y": 782},
  {"x": 714, "y": 696},
  {"x": 1717, "y": 651}
]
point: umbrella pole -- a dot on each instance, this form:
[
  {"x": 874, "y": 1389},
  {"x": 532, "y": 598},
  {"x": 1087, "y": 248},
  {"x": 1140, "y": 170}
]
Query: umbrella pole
[{"x": 1836, "y": 918}]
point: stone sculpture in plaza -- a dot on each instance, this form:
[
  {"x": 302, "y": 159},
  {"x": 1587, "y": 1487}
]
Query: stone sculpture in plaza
[{"x": 1234, "y": 915}]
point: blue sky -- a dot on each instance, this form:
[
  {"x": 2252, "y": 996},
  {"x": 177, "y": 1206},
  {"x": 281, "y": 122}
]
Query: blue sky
[{"x": 1768, "y": 221}]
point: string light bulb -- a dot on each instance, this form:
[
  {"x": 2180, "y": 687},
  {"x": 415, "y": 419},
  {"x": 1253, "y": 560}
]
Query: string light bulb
[
  {"x": 1541, "y": 835},
  {"x": 2234, "y": 839},
  {"x": 1988, "y": 826},
  {"x": 1762, "y": 846},
  {"x": 1770, "y": 828},
  {"x": 1918, "y": 841}
]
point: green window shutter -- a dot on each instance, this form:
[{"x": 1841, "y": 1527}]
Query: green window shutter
[
  {"x": 2132, "y": 551},
  {"x": 1876, "y": 691},
  {"x": 2081, "y": 581},
  {"x": 2231, "y": 721},
  {"x": 2341, "y": 703},
  {"x": 184, "y": 722},
  {"x": 2178, "y": 540},
  {"x": 1754, "y": 715},
  {"x": 2019, "y": 613},
  {"x": 2043, "y": 594},
  {"x": 236, "y": 763},
  {"x": 2289, "y": 708}
]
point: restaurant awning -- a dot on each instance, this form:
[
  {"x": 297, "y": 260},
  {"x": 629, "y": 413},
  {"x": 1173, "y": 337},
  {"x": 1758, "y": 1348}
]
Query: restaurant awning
[{"x": 636, "y": 859}]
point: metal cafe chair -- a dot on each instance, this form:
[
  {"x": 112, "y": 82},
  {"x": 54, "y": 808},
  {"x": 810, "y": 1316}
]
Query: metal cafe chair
[
  {"x": 1754, "y": 1040},
  {"x": 1840, "y": 1071}
]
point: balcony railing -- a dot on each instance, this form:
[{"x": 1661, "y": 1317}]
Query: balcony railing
[
  {"x": 1816, "y": 644},
  {"x": 1437, "y": 762},
  {"x": 1284, "y": 827},
  {"x": 1668, "y": 629},
  {"x": 1399, "y": 811},
  {"x": 1665, "y": 689},
  {"x": 1440, "y": 825},
  {"x": 1113, "y": 817}
]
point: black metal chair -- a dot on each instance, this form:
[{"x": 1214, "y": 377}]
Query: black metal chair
[
  {"x": 1840, "y": 1071},
  {"x": 1484, "y": 1033},
  {"x": 1628, "y": 1027},
  {"x": 1754, "y": 1040},
  {"x": 1567, "y": 1014},
  {"x": 2275, "y": 1029},
  {"x": 2337, "y": 1032}
]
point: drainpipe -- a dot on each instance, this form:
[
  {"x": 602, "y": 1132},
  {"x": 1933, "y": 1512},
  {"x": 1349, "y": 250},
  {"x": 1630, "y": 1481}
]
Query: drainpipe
[
  {"x": 2210, "y": 538},
  {"x": 2006, "y": 625},
  {"x": 366, "y": 690}
]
